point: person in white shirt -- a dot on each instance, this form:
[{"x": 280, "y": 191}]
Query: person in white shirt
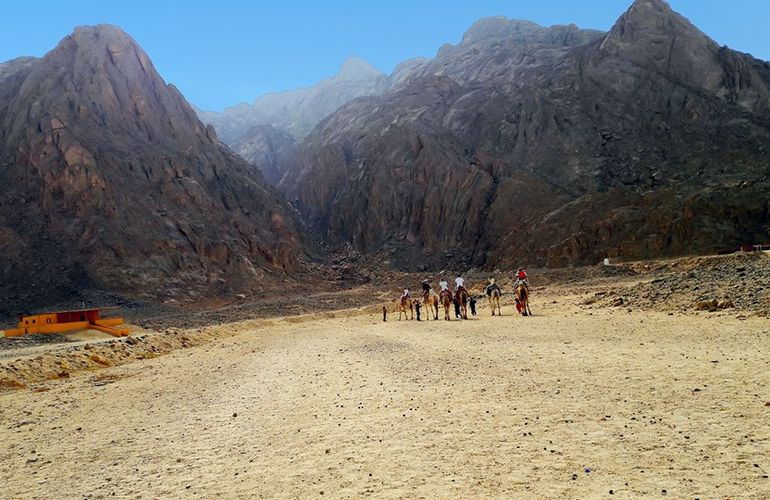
[
  {"x": 443, "y": 284},
  {"x": 460, "y": 282}
]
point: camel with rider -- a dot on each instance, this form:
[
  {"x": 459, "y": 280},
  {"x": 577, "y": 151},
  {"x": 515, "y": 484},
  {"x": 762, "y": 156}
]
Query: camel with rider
[
  {"x": 404, "y": 305},
  {"x": 493, "y": 297}
]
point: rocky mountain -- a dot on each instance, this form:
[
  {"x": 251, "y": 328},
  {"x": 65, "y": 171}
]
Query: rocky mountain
[
  {"x": 111, "y": 182},
  {"x": 549, "y": 146}
]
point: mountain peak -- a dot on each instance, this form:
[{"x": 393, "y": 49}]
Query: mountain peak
[
  {"x": 652, "y": 35},
  {"x": 111, "y": 36},
  {"x": 355, "y": 68},
  {"x": 101, "y": 46},
  {"x": 658, "y": 5},
  {"x": 646, "y": 19},
  {"x": 104, "y": 30}
]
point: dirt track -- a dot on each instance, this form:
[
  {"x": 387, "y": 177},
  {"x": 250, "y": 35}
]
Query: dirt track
[{"x": 570, "y": 403}]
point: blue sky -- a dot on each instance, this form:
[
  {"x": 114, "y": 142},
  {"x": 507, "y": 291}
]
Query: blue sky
[{"x": 223, "y": 52}]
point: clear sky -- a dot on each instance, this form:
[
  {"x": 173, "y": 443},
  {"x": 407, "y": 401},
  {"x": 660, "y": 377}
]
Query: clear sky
[{"x": 220, "y": 53}]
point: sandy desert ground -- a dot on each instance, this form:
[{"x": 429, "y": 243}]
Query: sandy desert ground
[{"x": 571, "y": 403}]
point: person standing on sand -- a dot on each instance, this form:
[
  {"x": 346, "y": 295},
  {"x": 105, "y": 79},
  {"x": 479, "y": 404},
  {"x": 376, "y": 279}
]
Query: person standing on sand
[
  {"x": 473, "y": 305},
  {"x": 458, "y": 314},
  {"x": 417, "y": 306}
]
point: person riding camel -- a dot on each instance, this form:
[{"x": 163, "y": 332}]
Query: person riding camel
[
  {"x": 426, "y": 288},
  {"x": 492, "y": 286},
  {"x": 460, "y": 283},
  {"x": 443, "y": 284},
  {"x": 405, "y": 296},
  {"x": 521, "y": 278}
]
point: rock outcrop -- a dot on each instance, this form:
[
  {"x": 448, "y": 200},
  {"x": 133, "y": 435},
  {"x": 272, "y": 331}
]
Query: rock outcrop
[
  {"x": 549, "y": 146},
  {"x": 109, "y": 181}
]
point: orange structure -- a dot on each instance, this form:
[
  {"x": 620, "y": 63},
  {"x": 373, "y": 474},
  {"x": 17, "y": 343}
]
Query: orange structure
[{"x": 67, "y": 321}]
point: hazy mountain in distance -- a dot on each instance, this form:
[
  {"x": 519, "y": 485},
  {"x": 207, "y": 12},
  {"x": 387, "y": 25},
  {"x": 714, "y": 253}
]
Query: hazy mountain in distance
[
  {"x": 298, "y": 111},
  {"x": 268, "y": 148}
]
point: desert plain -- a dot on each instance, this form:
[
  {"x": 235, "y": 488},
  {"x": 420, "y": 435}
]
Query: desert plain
[{"x": 577, "y": 401}]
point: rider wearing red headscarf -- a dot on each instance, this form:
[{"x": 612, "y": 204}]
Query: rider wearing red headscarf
[{"x": 521, "y": 277}]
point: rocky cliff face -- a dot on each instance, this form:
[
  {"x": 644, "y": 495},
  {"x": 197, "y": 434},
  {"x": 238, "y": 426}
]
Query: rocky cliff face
[
  {"x": 110, "y": 181},
  {"x": 549, "y": 146}
]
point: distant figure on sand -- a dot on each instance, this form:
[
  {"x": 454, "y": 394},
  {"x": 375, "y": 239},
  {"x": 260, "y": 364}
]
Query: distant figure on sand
[
  {"x": 384, "y": 313},
  {"x": 473, "y": 305},
  {"x": 457, "y": 308},
  {"x": 417, "y": 306}
]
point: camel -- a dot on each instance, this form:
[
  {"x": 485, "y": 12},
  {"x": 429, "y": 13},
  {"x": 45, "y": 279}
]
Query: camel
[
  {"x": 522, "y": 300},
  {"x": 403, "y": 304},
  {"x": 462, "y": 297},
  {"x": 494, "y": 300},
  {"x": 445, "y": 297},
  {"x": 430, "y": 300}
]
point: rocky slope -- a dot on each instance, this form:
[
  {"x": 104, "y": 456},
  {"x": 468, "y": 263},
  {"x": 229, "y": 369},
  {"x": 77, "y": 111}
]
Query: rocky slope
[
  {"x": 549, "y": 146},
  {"x": 110, "y": 181},
  {"x": 735, "y": 282}
]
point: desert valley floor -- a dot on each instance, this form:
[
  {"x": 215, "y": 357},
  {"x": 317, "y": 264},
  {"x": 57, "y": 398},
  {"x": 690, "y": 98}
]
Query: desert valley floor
[{"x": 572, "y": 402}]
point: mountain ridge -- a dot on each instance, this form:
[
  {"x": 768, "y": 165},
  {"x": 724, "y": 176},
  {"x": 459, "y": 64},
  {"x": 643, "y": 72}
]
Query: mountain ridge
[{"x": 599, "y": 142}]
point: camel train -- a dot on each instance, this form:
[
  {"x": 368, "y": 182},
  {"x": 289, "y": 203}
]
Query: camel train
[{"x": 430, "y": 301}]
